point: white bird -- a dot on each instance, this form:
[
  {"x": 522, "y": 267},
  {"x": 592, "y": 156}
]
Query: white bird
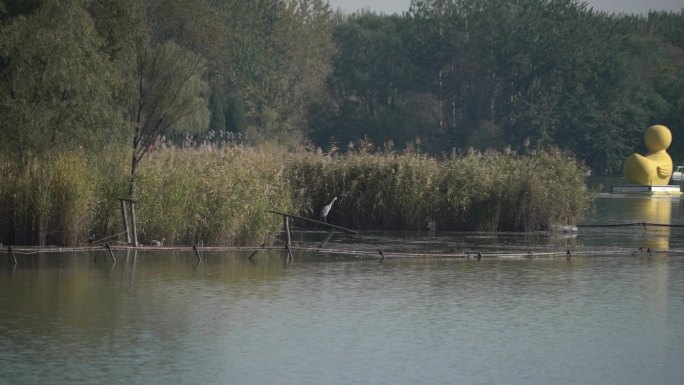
[
  {"x": 326, "y": 209},
  {"x": 156, "y": 243}
]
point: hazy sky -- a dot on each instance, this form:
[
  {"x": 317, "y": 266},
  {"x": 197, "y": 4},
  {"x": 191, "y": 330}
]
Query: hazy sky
[{"x": 619, "y": 6}]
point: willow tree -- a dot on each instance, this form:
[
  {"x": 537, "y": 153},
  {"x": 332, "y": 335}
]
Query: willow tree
[
  {"x": 55, "y": 85},
  {"x": 55, "y": 97},
  {"x": 166, "y": 93}
]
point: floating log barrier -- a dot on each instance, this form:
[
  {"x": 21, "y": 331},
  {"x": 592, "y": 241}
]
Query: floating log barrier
[{"x": 364, "y": 253}]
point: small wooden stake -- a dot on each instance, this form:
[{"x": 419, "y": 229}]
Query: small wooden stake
[
  {"x": 111, "y": 253},
  {"x": 286, "y": 221},
  {"x": 290, "y": 257},
  {"x": 124, "y": 214},
  {"x": 253, "y": 254},
  {"x": 330, "y": 234},
  {"x": 11, "y": 253},
  {"x": 194, "y": 248},
  {"x": 134, "y": 227}
]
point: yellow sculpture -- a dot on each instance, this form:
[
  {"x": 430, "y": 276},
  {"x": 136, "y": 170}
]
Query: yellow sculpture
[{"x": 654, "y": 169}]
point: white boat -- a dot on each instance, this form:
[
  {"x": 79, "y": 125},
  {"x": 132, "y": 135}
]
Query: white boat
[{"x": 678, "y": 174}]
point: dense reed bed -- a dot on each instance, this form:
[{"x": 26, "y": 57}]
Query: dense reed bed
[
  {"x": 46, "y": 201},
  {"x": 202, "y": 194},
  {"x": 488, "y": 192},
  {"x": 217, "y": 196},
  {"x": 222, "y": 196}
]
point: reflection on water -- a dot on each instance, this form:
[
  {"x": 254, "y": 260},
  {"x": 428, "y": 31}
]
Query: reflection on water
[
  {"x": 161, "y": 317},
  {"x": 658, "y": 211},
  {"x": 164, "y": 319},
  {"x": 623, "y": 209}
]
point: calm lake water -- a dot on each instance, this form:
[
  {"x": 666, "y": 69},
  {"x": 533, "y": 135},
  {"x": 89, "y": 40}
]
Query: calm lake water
[{"x": 162, "y": 318}]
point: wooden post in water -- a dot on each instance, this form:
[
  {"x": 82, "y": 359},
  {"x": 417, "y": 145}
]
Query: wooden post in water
[
  {"x": 132, "y": 230},
  {"x": 124, "y": 215},
  {"x": 252, "y": 255},
  {"x": 11, "y": 253},
  {"x": 134, "y": 224},
  {"x": 286, "y": 221},
  {"x": 111, "y": 253},
  {"x": 289, "y": 257},
  {"x": 330, "y": 234},
  {"x": 197, "y": 254}
]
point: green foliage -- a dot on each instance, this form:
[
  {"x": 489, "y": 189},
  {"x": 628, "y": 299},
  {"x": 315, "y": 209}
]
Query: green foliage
[
  {"x": 222, "y": 196},
  {"x": 218, "y": 117},
  {"x": 498, "y": 73},
  {"x": 455, "y": 74},
  {"x": 110, "y": 174},
  {"x": 270, "y": 55},
  {"x": 12, "y": 8},
  {"x": 46, "y": 201},
  {"x": 94, "y": 77},
  {"x": 235, "y": 116},
  {"x": 56, "y": 86},
  {"x": 217, "y": 196},
  {"x": 170, "y": 96},
  {"x": 489, "y": 192},
  {"x": 669, "y": 81},
  {"x": 505, "y": 192}
]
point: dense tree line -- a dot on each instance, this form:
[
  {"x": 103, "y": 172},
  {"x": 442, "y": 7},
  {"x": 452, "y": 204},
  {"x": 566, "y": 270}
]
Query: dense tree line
[
  {"x": 447, "y": 74},
  {"x": 498, "y": 73}
]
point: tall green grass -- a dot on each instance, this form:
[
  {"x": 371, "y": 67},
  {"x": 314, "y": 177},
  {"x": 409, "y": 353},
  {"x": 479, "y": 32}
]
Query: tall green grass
[
  {"x": 218, "y": 196},
  {"x": 215, "y": 196},
  {"x": 46, "y": 201},
  {"x": 374, "y": 191},
  {"x": 222, "y": 196},
  {"x": 488, "y": 192}
]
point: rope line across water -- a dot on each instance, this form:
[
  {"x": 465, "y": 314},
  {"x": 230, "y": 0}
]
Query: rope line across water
[{"x": 630, "y": 224}]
